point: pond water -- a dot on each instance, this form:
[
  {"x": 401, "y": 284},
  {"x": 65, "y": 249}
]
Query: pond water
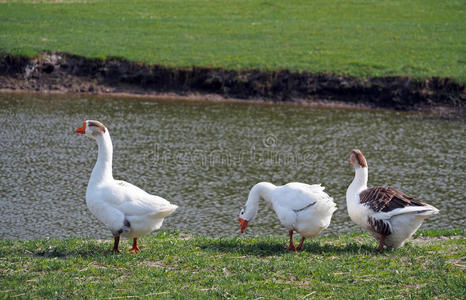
[{"x": 205, "y": 157}]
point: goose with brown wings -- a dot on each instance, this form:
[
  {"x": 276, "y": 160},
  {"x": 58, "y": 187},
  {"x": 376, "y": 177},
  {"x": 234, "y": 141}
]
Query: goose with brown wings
[{"x": 390, "y": 215}]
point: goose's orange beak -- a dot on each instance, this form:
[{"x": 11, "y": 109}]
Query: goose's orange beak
[
  {"x": 350, "y": 162},
  {"x": 81, "y": 130},
  {"x": 243, "y": 224}
]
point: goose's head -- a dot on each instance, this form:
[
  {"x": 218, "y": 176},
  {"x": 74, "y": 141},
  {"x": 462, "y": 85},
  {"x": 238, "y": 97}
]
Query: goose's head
[
  {"x": 357, "y": 159},
  {"x": 243, "y": 219},
  {"x": 92, "y": 128}
]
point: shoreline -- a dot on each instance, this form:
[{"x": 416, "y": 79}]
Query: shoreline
[
  {"x": 57, "y": 73},
  {"x": 435, "y": 111}
]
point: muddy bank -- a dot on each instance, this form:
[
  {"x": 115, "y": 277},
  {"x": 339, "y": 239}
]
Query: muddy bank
[{"x": 56, "y": 72}]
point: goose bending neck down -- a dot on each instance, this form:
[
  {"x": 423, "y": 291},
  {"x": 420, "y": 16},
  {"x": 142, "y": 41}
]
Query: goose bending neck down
[
  {"x": 125, "y": 209},
  {"x": 390, "y": 215},
  {"x": 300, "y": 207},
  {"x": 259, "y": 191}
]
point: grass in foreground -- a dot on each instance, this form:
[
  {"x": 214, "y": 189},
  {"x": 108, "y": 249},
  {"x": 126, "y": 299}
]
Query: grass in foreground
[
  {"x": 421, "y": 38},
  {"x": 172, "y": 265}
]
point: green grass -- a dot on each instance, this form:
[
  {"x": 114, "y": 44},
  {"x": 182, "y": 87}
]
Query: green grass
[
  {"x": 421, "y": 38},
  {"x": 173, "y": 265}
]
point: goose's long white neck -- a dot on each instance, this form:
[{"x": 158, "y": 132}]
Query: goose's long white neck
[
  {"x": 259, "y": 191},
  {"x": 103, "y": 167},
  {"x": 359, "y": 182}
]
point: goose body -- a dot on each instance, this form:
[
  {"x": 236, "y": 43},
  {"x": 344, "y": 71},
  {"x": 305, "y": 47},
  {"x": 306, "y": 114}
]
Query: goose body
[
  {"x": 123, "y": 208},
  {"x": 391, "y": 216},
  {"x": 300, "y": 207}
]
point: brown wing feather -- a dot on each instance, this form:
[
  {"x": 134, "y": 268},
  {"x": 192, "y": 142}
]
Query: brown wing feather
[
  {"x": 380, "y": 226},
  {"x": 386, "y": 198}
]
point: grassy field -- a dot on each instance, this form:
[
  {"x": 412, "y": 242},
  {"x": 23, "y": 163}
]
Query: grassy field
[
  {"x": 421, "y": 38},
  {"x": 173, "y": 265}
]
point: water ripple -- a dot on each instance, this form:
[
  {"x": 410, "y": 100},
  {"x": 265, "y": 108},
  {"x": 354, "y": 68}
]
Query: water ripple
[{"x": 205, "y": 157}]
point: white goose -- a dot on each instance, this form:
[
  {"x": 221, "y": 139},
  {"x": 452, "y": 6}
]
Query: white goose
[
  {"x": 390, "y": 215},
  {"x": 300, "y": 207},
  {"x": 124, "y": 208}
]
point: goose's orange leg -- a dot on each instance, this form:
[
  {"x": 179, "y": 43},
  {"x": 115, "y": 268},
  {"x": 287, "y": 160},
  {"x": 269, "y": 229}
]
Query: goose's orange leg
[
  {"x": 300, "y": 246},
  {"x": 115, "y": 244},
  {"x": 291, "y": 247},
  {"x": 135, "y": 246},
  {"x": 382, "y": 237}
]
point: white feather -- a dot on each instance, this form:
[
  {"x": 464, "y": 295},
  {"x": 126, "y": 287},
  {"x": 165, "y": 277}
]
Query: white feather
[
  {"x": 116, "y": 203},
  {"x": 403, "y": 222},
  {"x": 301, "y": 207}
]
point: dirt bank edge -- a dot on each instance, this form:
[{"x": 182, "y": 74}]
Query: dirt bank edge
[{"x": 60, "y": 72}]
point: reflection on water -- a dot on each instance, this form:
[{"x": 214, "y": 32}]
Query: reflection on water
[{"x": 205, "y": 157}]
